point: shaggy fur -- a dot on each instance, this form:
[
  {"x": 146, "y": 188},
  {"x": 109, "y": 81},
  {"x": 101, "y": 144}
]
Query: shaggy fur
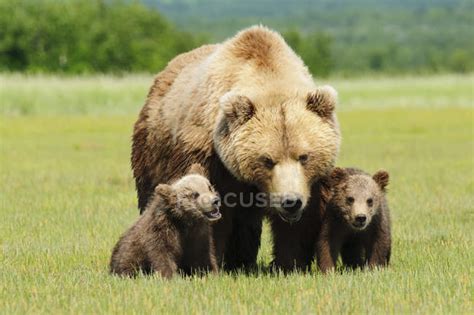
[
  {"x": 297, "y": 252},
  {"x": 174, "y": 232},
  {"x": 357, "y": 221},
  {"x": 249, "y": 111}
]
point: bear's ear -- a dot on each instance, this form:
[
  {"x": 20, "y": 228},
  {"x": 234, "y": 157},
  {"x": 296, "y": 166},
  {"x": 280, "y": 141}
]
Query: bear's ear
[
  {"x": 338, "y": 175},
  {"x": 322, "y": 101},
  {"x": 197, "y": 169},
  {"x": 237, "y": 109},
  {"x": 381, "y": 178},
  {"x": 326, "y": 189},
  {"x": 167, "y": 195}
]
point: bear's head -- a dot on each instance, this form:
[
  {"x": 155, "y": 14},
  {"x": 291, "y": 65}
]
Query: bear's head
[
  {"x": 192, "y": 196},
  {"x": 281, "y": 144},
  {"x": 357, "y": 198}
]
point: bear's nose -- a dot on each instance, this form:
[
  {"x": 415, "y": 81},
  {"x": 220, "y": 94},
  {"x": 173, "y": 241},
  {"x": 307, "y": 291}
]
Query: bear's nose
[
  {"x": 361, "y": 218},
  {"x": 291, "y": 204}
]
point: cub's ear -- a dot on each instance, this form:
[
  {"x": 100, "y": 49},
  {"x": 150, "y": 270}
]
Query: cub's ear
[
  {"x": 322, "y": 101},
  {"x": 237, "y": 109},
  {"x": 381, "y": 178},
  {"x": 326, "y": 189},
  {"x": 167, "y": 195},
  {"x": 338, "y": 175},
  {"x": 197, "y": 169}
]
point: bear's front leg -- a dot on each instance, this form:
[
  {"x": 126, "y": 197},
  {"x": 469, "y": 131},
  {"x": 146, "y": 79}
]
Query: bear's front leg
[
  {"x": 244, "y": 242},
  {"x": 237, "y": 233},
  {"x": 293, "y": 244},
  {"x": 221, "y": 231},
  {"x": 378, "y": 249}
]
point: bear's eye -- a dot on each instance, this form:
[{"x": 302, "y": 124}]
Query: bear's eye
[
  {"x": 303, "y": 158},
  {"x": 268, "y": 162},
  {"x": 370, "y": 202},
  {"x": 349, "y": 200},
  {"x": 195, "y": 195}
]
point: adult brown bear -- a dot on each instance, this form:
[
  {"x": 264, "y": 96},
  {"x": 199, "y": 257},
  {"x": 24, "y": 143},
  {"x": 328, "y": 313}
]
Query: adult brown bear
[{"x": 250, "y": 112}]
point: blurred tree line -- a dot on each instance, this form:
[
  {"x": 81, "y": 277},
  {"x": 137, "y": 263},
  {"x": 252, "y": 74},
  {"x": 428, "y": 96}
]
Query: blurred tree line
[
  {"x": 363, "y": 36},
  {"x": 314, "y": 49},
  {"x": 114, "y": 36},
  {"x": 80, "y": 36}
]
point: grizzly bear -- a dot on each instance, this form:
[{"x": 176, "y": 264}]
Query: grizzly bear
[
  {"x": 249, "y": 111},
  {"x": 174, "y": 232},
  {"x": 356, "y": 223}
]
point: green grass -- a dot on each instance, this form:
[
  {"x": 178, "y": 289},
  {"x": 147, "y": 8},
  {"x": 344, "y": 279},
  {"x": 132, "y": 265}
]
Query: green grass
[
  {"x": 102, "y": 95},
  {"x": 67, "y": 194}
]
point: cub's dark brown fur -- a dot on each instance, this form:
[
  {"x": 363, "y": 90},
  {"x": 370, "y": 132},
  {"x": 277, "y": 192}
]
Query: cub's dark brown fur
[
  {"x": 356, "y": 223},
  {"x": 174, "y": 233}
]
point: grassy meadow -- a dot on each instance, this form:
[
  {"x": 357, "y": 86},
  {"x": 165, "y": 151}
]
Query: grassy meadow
[{"x": 67, "y": 194}]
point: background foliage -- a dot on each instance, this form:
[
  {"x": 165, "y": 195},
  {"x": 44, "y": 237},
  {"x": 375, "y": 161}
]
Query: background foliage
[
  {"x": 78, "y": 36},
  {"x": 341, "y": 36},
  {"x": 367, "y": 35}
]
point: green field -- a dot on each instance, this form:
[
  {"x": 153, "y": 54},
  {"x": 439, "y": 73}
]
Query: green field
[{"x": 67, "y": 194}]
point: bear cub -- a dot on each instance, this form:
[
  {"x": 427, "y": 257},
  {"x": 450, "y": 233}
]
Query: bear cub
[
  {"x": 356, "y": 223},
  {"x": 174, "y": 233}
]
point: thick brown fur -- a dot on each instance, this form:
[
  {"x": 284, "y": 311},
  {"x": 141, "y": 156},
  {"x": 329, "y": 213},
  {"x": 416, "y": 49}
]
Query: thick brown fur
[
  {"x": 250, "y": 112},
  {"x": 355, "y": 195},
  {"x": 173, "y": 234},
  {"x": 297, "y": 253}
]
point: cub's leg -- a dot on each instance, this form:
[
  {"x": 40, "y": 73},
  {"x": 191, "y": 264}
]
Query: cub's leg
[
  {"x": 328, "y": 248},
  {"x": 126, "y": 260},
  {"x": 164, "y": 253},
  {"x": 378, "y": 249},
  {"x": 200, "y": 258},
  {"x": 165, "y": 266},
  {"x": 352, "y": 254}
]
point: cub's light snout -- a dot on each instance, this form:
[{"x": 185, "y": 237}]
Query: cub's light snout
[
  {"x": 360, "y": 217},
  {"x": 216, "y": 202},
  {"x": 360, "y": 221},
  {"x": 210, "y": 204}
]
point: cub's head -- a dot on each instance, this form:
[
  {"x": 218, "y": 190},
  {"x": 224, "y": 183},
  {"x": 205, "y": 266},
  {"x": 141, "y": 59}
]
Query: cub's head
[
  {"x": 192, "y": 196},
  {"x": 357, "y": 197},
  {"x": 279, "y": 143}
]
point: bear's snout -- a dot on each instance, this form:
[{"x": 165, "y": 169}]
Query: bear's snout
[
  {"x": 291, "y": 204},
  {"x": 216, "y": 202},
  {"x": 289, "y": 190},
  {"x": 290, "y": 207}
]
